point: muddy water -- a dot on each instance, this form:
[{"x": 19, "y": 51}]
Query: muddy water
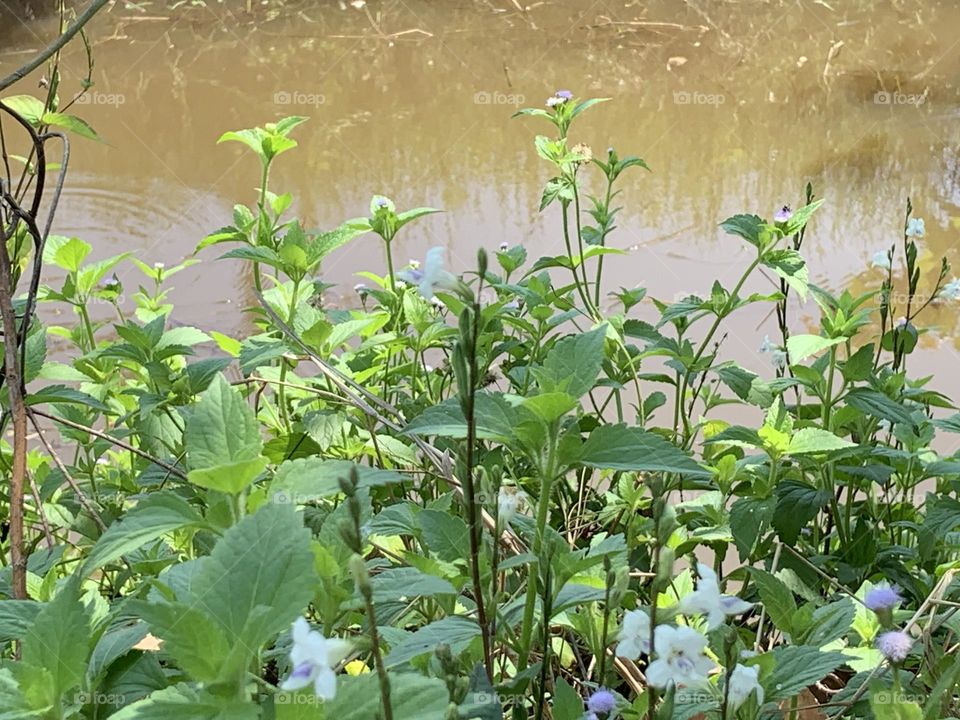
[{"x": 735, "y": 106}]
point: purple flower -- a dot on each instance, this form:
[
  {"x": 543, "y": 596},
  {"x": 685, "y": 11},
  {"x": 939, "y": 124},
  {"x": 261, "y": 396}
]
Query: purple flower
[
  {"x": 882, "y": 597},
  {"x": 602, "y": 701},
  {"x": 895, "y": 645},
  {"x": 783, "y": 214},
  {"x": 382, "y": 202},
  {"x": 564, "y": 94}
]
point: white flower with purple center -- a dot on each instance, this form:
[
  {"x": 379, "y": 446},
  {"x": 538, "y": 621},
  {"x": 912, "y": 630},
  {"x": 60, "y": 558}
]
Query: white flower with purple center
[
  {"x": 881, "y": 259},
  {"x": 744, "y": 679},
  {"x": 951, "y": 291},
  {"x": 783, "y": 214},
  {"x": 314, "y": 657},
  {"x": 680, "y": 658},
  {"x": 602, "y": 702},
  {"x": 432, "y": 277},
  {"x": 916, "y": 228},
  {"x": 634, "y": 638},
  {"x": 707, "y": 600},
  {"x": 882, "y": 597},
  {"x": 895, "y": 645}
]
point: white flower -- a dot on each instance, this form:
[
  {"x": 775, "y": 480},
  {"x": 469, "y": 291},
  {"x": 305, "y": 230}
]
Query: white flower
[
  {"x": 432, "y": 277},
  {"x": 707, "y": 600},
  {"x": 314, "y": 657},
  {"x": 508, "y": 502},
  {"x": 766, "y": 346},
  {"x": 951, "y": 291},
  {"x": 415, "y": 264},
  {"x": 881, "y": 260},
  {"x": 504, "y": 247},
  {"x": 634, "y": 638},
  {"x": 680, "y": 657},
  {"x": 743, "y": 681},
  {"x": 900, "y": 323},
  {"x": 915, "y": 228},
  {"x": 884, "y": 425},
  {"x": 779, "y": 359}
]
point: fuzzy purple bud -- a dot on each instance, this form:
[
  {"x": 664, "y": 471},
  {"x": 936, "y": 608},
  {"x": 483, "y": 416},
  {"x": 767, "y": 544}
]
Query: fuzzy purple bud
[
  {"x": 564, "y": 94},
  {"x": 783, "y": 214},
  {"x": 602, "y": 701},
  {"x": 882, "y": 597},
  {"x": 895, "y": 645}
]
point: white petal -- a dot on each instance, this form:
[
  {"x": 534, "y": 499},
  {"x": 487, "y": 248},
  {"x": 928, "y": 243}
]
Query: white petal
[
  {"x": 715, "y": 618},
  {"x": 732, "y": 605},
  {"x": 337, "y": 650},
  {"x": 295, "y": 683},
  {"x": 628, "y": 648},
  {"x": 325, "y": 686},
  {"x": 659, "y": 674},
  {"x": 301, "y": 630}
]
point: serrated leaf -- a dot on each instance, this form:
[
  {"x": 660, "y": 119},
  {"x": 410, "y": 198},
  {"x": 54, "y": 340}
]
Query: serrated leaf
[
  {"x": 815, "y": 440},
  {"x": 495, "y": 419},
  {"x": 620, "y": 447}
]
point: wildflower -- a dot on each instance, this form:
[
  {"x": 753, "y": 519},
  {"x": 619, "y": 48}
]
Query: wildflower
[
  {"x": 743, "y": 681},
  {"x": 707, "y": 600},
  {"x": 915, "y": 228},
  {"x": 884, "y": 425},
  {"x": 895, "y": 645},
  {"x": 158, "y": 266},
  {"x": 314, "y": 657},
  {"x": 634, "y": 638},
  {"x": 559, "y": 98},
  {"x": 680, "y": 658},
  {"x": 783, "y": 214},
  {"x": 900, "y": 323},
  {"x": 951, "y": 291},
  {"x": 602, "y": 702},
  {"x": 881, "y": 260},
  {"x": 415, "y": 264},
  {"x": 564, "y": 94},
  {"x": 766, "y": 346},
  {"x": 433, "y": 276},
  {"x": 504, "y": 246},
  {"x": 360, "y": 288},
  {"x": 554, "y": 101},
  {"x": 584, "y": 151},
  {"x": 883, "y": 596},
  {"x": 512, "y": 305},
  {"x": 779, "y": 359}
]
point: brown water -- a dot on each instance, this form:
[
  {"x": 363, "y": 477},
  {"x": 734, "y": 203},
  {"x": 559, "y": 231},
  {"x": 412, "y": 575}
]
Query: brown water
[{"x": 734, "y": 104}]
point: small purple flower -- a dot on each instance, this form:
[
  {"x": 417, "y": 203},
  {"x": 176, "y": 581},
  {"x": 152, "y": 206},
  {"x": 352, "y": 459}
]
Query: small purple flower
[
  {"x": 783, "y": 214},
  {"x": 382, "y": 202},
  {"x": 895, "y": 645},
  {"x": 602, "y": 701},
  {"x": 882, "y": 597},
  {"x": 564, "y": 94}
]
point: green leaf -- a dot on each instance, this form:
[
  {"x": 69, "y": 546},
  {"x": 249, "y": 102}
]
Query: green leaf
[
  {"x": 16, "y": 618},
  {"x": 181, "y": 702},
  {"x": 27, "y": 106},
  {"x": 62, "y": 394},
  {"x": 800, "y": 218},
  {"x": 454, "y": 631},
  {"x": 412, "y": 697},
  {"x": 445, "y": 534},
  {"x": 747, "y": 516},
  {"x": 156, "y": 515},
  {"x": 878, "y": 405},
  {"x": 800, "y": 347},
  {"x": 620, "y": 447},
  {"x": 72, "y": 123},
  {"x": 405, "y": 583},
  {"x": 69, "y": 255},
  {"x": 573, "y": 364},
  {"x": 796, "y": 667},
  {"x": 494, "y": 419},
  {"x": 746, "y": 226},
  {"x": 13, "y": 705},
  {"x": 797, "y": 504},
  {"x": 831, "y": 622},
  {"x": 815, "y": 440},
  {"x": 550, "y": 406},
  {"x": 308, "y": 479},
  {"x": 789, "y": 265},
  {"x": 567, "y": 704},
  {"x": 59, "y": 639},
  {"x": 223, "y": 432},
  {"x": 777, "y": 599},
  {"x": 190, "y": 636}
]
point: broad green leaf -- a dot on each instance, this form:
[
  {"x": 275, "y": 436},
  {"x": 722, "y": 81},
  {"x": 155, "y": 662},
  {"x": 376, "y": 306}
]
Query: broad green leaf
[
  {"x": 231, "y": 478},
  {"x": 789, "y": 265},
  {"x": 28, "y": 107},
  {"x": 445, "y": 534},
  {"x": 308, "y": 479},
  {"x": 800, "y": 347},
  {"x": 747, "y": 516},
  {"x": 190, "y": 636},
  {"x": 72, "y": 123},
  {"x": 222, "y": 430},
  {"x": 495, "y": 419},
  {"x": 62, "y": 394},
  {"x": 13, "y": 705},
  {"x": 154, "y": 516},
  {"x": 619, "y": 447},
  {"x": 777, "y": 599},
  {"x": 797, "y": 504},
  {"x": 412, "y": 697},
  {"x": 59, "y": 639},
  {"x": 748, "y": 227},
  {"x": 454, "y": 631},
  {"x": 815, "y": 440},
  {"x": 550, "y": 406},
  {"x": 405, "y": 583},
  {"x": 878, "y": 405},
  {"x": 796, "y": 667},
  {"x": 16, "y": 618},
  {"x": 71, "y": 254},
  {"x": 573, "y": 364},
  {"x": 567, "y": 704},
  {"x": 181, "y": 702},
  {"x": 831, "y": 622},
  {"x": 800, "y": 217}
]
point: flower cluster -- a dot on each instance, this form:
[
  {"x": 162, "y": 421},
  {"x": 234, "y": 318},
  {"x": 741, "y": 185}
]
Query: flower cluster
[{"x": 559, "y": 98}]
